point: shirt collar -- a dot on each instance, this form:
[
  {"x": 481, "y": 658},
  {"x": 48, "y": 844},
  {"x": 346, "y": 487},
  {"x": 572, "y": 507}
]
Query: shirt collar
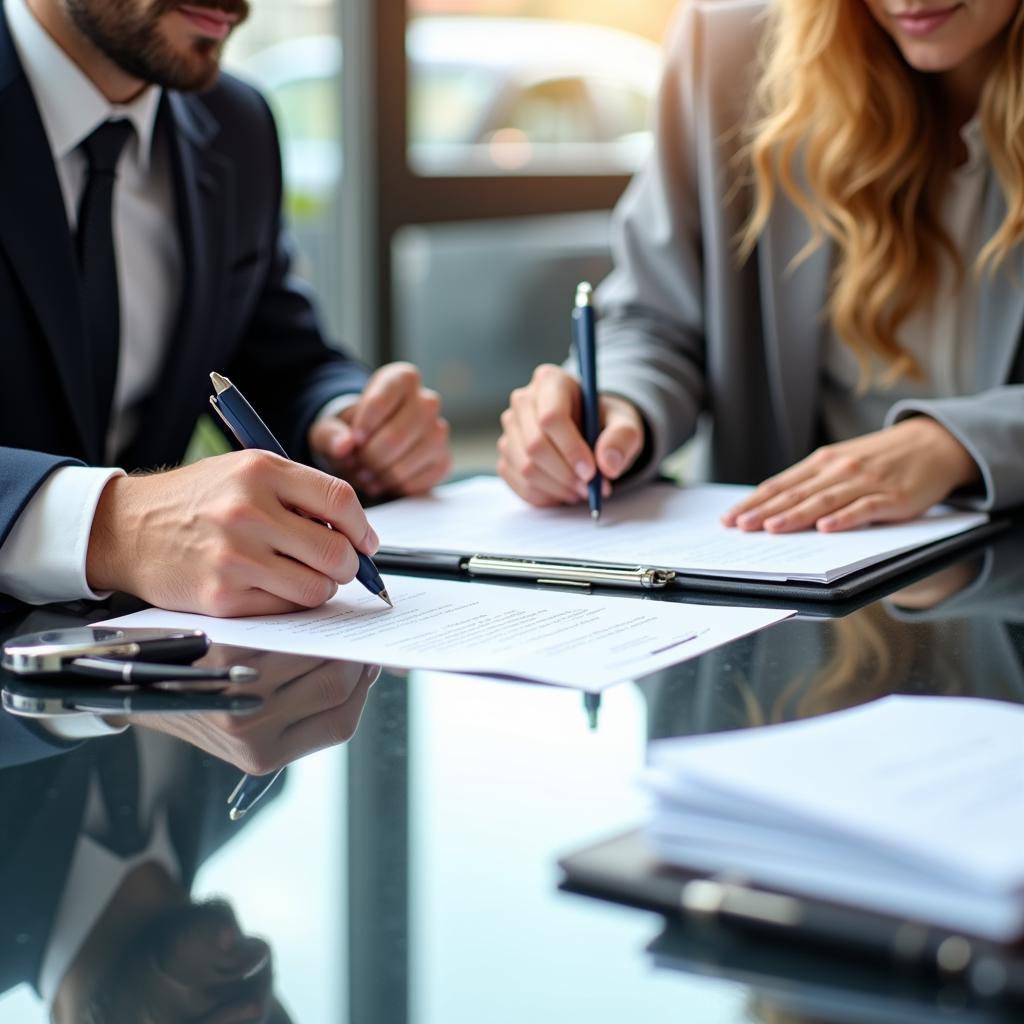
[{"x": 70, "y": 105}]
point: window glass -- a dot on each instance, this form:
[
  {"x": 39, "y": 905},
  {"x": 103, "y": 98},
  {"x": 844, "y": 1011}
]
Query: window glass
[{"x": 532, "y": 86}]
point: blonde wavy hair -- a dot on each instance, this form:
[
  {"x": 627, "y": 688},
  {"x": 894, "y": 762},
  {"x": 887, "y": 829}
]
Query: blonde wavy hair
[{"x": 853, "y": 135}]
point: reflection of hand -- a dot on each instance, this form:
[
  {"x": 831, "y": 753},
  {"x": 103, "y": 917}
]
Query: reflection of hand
[
  {"x": 939, "y": 587},
  {"x": 308, "y": 704},
  {"x": 192, "y": 964},
  {"x": 392, "y": 441},
  {"x": 891, "y": 475},
  {"x": 542, "y": 454},
  {"x": 222, "y": 536}
]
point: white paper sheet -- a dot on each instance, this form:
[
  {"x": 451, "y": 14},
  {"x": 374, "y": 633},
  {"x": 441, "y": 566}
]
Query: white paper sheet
[
  {"x": 660, "y": 525},
  {"x": 912, "y": 806},
  {"x": 584, "y": 641}
]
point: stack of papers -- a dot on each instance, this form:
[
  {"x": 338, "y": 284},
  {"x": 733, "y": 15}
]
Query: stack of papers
[
  {"x": 910, "y": 806},
  {"x": 660, "y": 526}
]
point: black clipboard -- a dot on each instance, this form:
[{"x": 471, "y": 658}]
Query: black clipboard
[
  {"x": 625, "y": 869},
  {"x": 865, "y": 581}
]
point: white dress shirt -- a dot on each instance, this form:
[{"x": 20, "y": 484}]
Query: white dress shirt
[{"x": 43, "y": 558}]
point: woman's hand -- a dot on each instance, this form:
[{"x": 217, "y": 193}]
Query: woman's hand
[
  {"x": 541, "y": 453},
  {"x": 891, "y": 475}
]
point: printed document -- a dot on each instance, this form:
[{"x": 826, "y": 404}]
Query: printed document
[
  {"x": 909, "y": 806},
  {"x": 585, "y": 641},
  {"x": 659, "y": 526}
]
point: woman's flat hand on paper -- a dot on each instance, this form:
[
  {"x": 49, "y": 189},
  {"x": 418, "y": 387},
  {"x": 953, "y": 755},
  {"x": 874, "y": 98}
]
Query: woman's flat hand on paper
[
  {"x": 888, "y": 476},
  {"x": 542, "y": 455}
]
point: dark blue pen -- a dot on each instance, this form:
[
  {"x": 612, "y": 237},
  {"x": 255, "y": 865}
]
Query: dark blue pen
[
  {"x": 583, "y": 334},
  {"x": 251, "y": 432}
]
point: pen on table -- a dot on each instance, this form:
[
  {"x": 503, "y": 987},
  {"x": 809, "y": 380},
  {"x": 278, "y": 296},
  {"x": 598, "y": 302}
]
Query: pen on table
[
  {"x": 583, "y": 333},
  {"x": 244, "y": 422},
  {"x": 592, "y": 705},
  {"x": 249, "y": 790}
]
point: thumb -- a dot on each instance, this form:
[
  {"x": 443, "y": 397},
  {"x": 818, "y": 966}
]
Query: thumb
[
  {"x": 621, "y": 440},
  {"x": 331, "y": 438}
]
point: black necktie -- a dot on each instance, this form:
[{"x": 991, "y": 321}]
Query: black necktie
[
  {"x": 117, "y": 765},
  {"x": 97, "y": 266}
]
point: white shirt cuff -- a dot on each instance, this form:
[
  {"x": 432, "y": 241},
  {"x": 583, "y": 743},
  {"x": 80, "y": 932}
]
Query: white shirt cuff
[
  {"x": 335, "y": 407},
  {"x": 43, "y": 558}
]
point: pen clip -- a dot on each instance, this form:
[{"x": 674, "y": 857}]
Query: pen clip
[{"x": 227, "y": 423}]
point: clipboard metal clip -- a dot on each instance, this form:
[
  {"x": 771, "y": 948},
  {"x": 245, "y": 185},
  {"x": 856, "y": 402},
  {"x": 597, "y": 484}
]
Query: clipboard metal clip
[{"x": 579, "y": 574}]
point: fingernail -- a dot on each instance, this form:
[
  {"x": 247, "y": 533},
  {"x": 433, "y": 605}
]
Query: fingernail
[
  {"x": 359, "y": 436},
  {"x": 775, "y": 523},
  {"x": 747, "y": 519},
  {"x": 613, "y": 459},
  {"x": 371, "y": 540},
  {"x": 581, "y": 489},
  {"x": 583, "y": 471},
  {"x": 827, "y": 523}
]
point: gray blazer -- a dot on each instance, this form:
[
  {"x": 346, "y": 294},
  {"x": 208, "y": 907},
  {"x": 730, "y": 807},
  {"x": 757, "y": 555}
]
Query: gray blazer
[{"x": 687, "y": 330}]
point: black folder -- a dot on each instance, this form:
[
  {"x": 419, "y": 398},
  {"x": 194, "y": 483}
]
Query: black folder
[{"x": 625, "y": 869}]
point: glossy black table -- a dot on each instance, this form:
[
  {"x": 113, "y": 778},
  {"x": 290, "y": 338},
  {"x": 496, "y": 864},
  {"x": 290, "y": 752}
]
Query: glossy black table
[{"x": 408, "y": 871}]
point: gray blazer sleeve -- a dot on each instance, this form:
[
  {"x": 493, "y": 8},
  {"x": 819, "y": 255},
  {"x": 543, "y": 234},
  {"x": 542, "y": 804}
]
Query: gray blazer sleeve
[
  {"x": 990, "y": 425},
  {"x": 651, "y": 333}
]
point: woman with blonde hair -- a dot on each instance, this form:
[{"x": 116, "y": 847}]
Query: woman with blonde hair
[{"x": 825, "y": 255}]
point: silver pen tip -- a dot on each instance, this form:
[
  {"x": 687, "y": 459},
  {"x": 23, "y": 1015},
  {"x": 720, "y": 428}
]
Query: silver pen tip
[
  {"x": 595, "y": 514},
  {"x": 242, "y": 674},
  {"x": 220, "y": 383},
  {"x": 383, "y": 595},
  {"x": 236, "y": 814},
  {"x": 584, "y": 295}
]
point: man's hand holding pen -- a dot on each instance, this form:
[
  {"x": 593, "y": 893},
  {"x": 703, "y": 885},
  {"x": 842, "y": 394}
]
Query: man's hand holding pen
[{"x": 222, "y": 536}]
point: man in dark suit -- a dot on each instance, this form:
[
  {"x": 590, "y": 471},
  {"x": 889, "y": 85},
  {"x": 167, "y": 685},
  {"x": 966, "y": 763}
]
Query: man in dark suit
[{"x": 140, "y": 248}]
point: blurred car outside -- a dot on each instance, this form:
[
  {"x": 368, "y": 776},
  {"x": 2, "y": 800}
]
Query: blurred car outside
[{"x": 487, "y": 96}]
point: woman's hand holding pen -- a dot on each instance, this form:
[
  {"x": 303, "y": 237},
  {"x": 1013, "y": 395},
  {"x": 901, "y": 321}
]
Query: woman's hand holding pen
[
  {"x": 222, "y": 536},
  {"x": 542, "y": 455},
  {"x": 393, "y": 440},
  {"x": 890, "y": 475}
]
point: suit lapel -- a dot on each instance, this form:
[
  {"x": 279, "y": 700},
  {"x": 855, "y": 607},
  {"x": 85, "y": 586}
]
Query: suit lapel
[
  {"x": 203, "y": 184},
  {"x": 35, "y": 234},
  {"x": 1000, "y": 300},
  {"x": 793, "y": 303}
]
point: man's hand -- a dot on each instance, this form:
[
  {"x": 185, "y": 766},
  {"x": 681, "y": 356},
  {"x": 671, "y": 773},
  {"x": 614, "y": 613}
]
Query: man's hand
[
  {"x": 224, "y": 536},
  {"x": 890, "y": 475},
  {"x": 392, "y": 441},
  {"x": 541, "y": 453}
]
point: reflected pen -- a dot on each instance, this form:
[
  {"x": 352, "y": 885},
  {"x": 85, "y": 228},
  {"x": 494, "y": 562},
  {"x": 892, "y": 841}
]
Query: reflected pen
[
  {"x": 249, "y": 790},
  {"x": 583, "y": 334},
  {"x": 251, "y": 432}
]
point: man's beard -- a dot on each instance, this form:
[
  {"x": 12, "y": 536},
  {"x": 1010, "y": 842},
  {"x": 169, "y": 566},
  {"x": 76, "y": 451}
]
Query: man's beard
[{"x": 132, "y": 40}]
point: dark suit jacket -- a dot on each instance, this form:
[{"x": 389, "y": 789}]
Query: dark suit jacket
[
  {"x": 41, "y": 808},
  {"x": 241, "y": 311}
]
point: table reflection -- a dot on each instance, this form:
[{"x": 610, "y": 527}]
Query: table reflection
[{"x": 100, "y": 842}]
